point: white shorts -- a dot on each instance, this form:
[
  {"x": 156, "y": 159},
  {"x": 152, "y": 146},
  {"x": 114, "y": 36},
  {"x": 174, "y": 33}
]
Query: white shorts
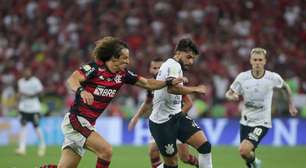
[{"x": 75, "y": 136}]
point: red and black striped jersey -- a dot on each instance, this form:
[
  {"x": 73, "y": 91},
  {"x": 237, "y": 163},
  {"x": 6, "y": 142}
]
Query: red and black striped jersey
[{"x": 103, "y": 85}]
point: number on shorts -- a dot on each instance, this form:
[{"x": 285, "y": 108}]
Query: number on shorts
[{"x": 257, "y": 131}]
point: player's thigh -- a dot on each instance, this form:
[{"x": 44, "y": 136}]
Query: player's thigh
[
  {"x": 165, "y": 136},
  {"x": 197, "y": 139},
  {"x": 23, "y": 118},
  {"x": 190, "y": 132},
  {"x": 99, "y": 145},
  {"x": 252, "y": 135},
  {"x": 153, "y": 150},
  {"x": 35, "y": 118},
  {"x": 69, "y": 159}
]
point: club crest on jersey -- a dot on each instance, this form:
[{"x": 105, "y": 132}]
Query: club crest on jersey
[
  {"x": 101, "y": 91},
  {"x": 88, "y": 69},
  {"x": 117, "y": 79}
]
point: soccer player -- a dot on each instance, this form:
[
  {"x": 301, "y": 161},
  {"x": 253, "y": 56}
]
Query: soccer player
[
  {"x": 167, "y": 122},
  {"x": 256, "y": 87},
  {"x": 29, "y": 88},
  {"x": 95, "y": 85},
  {"x": 154, "y": 155}
]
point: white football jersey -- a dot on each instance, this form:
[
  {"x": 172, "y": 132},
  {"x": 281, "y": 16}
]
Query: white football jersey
[
  {"x": 164, "y": 103},
  {"x": 32, "y": 86},
  {"x": 257, "y": 95}
]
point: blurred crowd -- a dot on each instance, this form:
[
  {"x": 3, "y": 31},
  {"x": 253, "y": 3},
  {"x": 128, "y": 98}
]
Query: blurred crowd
[{"x": 55, "y": 37}]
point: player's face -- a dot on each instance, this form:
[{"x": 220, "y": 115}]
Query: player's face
[
  {"x": 124, "y": 59},
  {"x": 154, "y": 67},
  {"x": 187, "y": 59},
  {"x": 27, "y": 73},
  {"x": 258, "y": 61}
]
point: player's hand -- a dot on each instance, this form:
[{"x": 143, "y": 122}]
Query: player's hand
[
  {"x": 87, "y": 97},
  {"x": 292, "y": 110},
  {"x": 201, "y": 89},
  {"x": 185, "y": 80},
  {"x": 132, "y": 123}
]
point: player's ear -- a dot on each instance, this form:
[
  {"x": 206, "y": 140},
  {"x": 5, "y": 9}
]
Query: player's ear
[{"x": 113, "y": 59}]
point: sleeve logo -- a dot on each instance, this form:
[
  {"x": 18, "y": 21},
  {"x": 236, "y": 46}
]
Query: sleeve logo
[{"x": 86, "y": 67}]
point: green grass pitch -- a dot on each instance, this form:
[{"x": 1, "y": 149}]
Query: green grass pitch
[{"x": 136, "y": 157}]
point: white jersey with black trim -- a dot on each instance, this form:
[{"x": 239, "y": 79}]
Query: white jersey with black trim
[
  {"x": 257, "y": 95},
  {"x": 164, "y": 103},
  {"x": 28, "y": 88}
]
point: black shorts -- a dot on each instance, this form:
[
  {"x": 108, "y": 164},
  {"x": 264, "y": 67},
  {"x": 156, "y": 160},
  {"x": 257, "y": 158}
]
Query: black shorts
[
  {"x": 253, "y": 134},
  {"x": 29, "y": 117},
  {"x": 180, "y": 126}
]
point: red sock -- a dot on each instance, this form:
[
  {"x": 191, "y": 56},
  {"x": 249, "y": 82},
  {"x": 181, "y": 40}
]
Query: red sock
[
  {"x": 102, "y": 163},
  {"x": 155, "y": 162},
  {"x": 48, "y": 166},
  {"x": 192, "y": 160}
]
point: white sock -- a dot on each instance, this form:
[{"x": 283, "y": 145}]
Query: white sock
[
  {"x": 161, "y": 166},
  {"x": 205, "y": 160},
  {"x": 22, "y": 138},
  {"x": 40, "y": 137}
]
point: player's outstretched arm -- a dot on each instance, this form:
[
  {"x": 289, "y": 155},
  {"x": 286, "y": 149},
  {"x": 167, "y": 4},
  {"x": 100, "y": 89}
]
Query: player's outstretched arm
[
  {"x": 152, "y": 84},
  {"x": 231, "y": 95},
  {"x": 292, "y": 109},
  {"x": 187, "y": 103},
  {"x": 184, "y": 90},
  {"x": 74, "y": 83},
  {"x": 144, "y": 108}
]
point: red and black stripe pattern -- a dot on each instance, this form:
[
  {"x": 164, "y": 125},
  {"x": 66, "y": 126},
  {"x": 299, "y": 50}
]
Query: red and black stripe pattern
[
  {"x": 49, "y": 166},
  {"x": 103, "y": 85},
  {"x": 76, "y": 125}
]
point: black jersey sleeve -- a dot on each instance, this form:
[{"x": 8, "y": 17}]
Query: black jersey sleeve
[
  {"x": 89, "y": 70},
  {"x": 130, "y": 77}
]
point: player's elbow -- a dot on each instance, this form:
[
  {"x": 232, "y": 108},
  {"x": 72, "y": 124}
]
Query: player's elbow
[
  {"x": 228, "y": 95},
  {"x": 244, "y": 152},
  {"x": 68, "y": 82}
]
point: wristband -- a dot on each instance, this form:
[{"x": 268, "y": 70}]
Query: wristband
[
  {"x": 169, "y": 81},
  {"x": 79, "y": 90}
]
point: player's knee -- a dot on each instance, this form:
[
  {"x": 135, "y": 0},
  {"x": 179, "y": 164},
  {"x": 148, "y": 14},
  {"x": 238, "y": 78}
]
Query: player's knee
[
  {"x": 171, "y": 161},
  {"x": 153, "y": 152},
  {"x": 105, "y": 152},
  {"x": 62, "y": 165},
  {"x": 244, "y": 151},
  {"x": 205, "y": 148}
]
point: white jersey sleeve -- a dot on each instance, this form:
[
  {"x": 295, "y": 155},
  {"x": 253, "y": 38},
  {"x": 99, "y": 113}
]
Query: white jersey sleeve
[
  {"x": 278, "y": 81},
  {"x": 173, "y": 71},
  {"x": 236, "y": 86}
]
